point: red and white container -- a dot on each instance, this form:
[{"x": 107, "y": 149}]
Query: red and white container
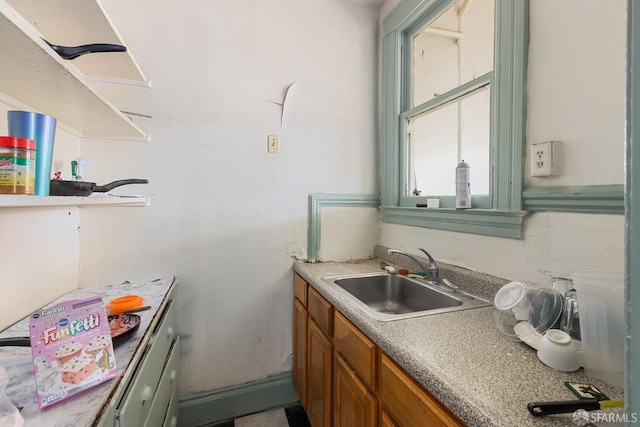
[{"x": 17, "y": 165}]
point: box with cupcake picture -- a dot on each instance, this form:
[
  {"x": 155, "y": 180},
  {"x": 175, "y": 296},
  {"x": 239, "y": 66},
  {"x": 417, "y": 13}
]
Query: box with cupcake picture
[{"x": 71, "y": 348}]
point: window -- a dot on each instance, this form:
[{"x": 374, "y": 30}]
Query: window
[{"x": 452, "y": 90}]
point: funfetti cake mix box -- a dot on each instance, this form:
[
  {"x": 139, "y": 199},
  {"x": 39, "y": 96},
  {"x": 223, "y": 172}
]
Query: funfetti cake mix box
[{"x": 72, "y": 349}]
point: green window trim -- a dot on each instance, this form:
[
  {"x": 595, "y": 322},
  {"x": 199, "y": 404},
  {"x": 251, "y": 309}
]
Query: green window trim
[
  {"x": 488, "y": 222},
  {"x": 603, "y": 199},
  {"x": 508, "y": 124}
]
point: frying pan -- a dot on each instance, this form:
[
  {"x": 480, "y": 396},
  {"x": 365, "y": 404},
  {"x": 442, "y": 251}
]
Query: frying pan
[
  {"x": 72, "y": 52},
  {"x": 59, "y": 187},
  {"x": 130, "y": 322},
  {"x": 128, "y": 325}
]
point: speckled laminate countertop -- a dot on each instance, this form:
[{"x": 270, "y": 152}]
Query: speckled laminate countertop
[{"x": 483, "y": 376}]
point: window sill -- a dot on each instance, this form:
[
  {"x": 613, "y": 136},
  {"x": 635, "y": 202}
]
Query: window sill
[{"x": 488, "y": 222}]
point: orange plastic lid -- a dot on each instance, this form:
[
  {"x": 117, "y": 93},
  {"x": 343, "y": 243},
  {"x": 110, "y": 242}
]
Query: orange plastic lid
[{"x": 127, "y": 302}]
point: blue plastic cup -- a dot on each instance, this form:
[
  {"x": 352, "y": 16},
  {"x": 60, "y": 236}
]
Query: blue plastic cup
[{"x": 42, "y": 129}]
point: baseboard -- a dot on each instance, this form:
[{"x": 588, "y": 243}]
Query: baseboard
[{"x": 233, "y": 402}]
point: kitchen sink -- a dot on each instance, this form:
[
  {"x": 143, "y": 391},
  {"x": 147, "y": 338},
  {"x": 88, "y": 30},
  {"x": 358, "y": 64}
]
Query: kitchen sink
[{"x": 391, "y": 297}]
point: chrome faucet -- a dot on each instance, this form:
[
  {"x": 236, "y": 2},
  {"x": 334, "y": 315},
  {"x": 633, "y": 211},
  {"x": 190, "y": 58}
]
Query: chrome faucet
[{"x": 432, "y": 269}]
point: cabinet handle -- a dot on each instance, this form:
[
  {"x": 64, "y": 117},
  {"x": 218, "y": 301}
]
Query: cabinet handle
[
  {"x": 174, "y": 421},
  {"x": 172, "y": 376},
  {"x": 170, "y": 332},
  {"x": 147, "y": 392}
]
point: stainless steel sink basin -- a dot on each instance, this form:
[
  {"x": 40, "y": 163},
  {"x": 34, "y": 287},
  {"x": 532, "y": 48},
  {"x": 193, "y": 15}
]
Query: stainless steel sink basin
[{"x": 391, "y": 297}]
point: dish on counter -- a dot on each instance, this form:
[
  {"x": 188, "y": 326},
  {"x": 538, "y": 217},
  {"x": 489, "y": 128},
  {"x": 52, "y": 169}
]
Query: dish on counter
[
  {"x": 538, "y": 305},
  {"x": 528, "y": 334}
]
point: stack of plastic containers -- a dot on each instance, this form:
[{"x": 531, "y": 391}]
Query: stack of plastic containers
[{"x": 602, "y": 328}]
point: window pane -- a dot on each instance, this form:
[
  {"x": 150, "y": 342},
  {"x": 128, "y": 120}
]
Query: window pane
[
  {"x": 454, "y": 49},
  {"x": 439, "y": 139}
]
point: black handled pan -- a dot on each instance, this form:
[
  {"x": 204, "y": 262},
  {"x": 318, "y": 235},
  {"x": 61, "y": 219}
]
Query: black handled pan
[
  {"x": 121, "y": 327},
  {"x": 72, "y": 52},
  {"x": 59, "y": 187}
]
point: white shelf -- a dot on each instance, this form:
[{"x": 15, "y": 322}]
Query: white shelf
[
  {"x": 25, "y": 201},
  {"x": 35, "y": 75},
  {"x": 74, "y": 23}
]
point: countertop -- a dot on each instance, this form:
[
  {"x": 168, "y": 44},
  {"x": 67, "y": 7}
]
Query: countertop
[
  {"x": 484, "y": 377},
  {"x": 84, "y": 408}
]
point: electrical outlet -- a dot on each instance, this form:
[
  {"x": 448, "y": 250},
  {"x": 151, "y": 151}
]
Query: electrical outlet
[
  {"x": 545, "y": 160},
  {"x": 273, "y": 144}
]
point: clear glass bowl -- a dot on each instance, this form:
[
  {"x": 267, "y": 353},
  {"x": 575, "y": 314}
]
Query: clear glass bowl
[{"x": 539, "y": 305}]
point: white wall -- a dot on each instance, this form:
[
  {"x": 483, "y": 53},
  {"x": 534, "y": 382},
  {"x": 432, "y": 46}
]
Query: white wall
[
  {"x": 39, "y": 259},
  {"x": 576, "y": 91},
  {"x": 348, "y": 233},
  {"x": 40, "y": 251},
  {"x": 228, "y": 217},
  {"x": 575, "y": 94}
]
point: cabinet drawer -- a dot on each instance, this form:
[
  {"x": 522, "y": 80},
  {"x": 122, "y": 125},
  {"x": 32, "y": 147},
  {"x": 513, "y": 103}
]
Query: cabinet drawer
[
  {"x": 165, "y": 332},
  {"x": 160, "y": 404},
  {"x": 320, "y": 311},
  {"x": 135, "y": 407},
  {"x": 406, "y": 401},
  {"x": 300, "y": 289},
  {"x": 171, "y": 420},
  {"x": 358, "y": 350}
]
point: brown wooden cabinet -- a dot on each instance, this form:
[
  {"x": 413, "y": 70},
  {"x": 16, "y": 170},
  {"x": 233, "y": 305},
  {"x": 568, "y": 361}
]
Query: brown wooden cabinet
[
  {"x": 319, "y": 380},
  {"x": 345, "y": 380},
  {"x": 313, "y": 352},
  {"x": 353, "y": 404},
  {"x": 406, "y": 402},
  {"x": 386, "y": 421},
  {"x": 358, "y": 350},
  {"x": 300, "y": 318},
  {"x": 321, "y": 311}
]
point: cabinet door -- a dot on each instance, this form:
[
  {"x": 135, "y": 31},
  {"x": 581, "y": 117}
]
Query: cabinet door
[
  {"x": 353, "y": 403},
  {"x": 407, "y": 402},
  {"x": 168, "y": 381},
  {"x": 386, "y": 421},
  {"x": 137, "y": 402},
  {"x": 300, "y": 317},
  {"x": 319, "y": 365}
]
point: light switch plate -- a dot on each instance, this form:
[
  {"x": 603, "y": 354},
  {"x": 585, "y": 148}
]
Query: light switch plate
[{"x": 273, "y": 144}]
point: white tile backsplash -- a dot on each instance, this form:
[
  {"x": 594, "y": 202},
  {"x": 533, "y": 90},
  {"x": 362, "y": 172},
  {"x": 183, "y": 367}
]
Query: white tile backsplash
[{"x": 554, "y": 244}]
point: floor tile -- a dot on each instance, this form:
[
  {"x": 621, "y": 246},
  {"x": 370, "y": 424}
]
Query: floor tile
[
  {"x": 273, "y": 418},
  {"x": 297, "y": 417},
  {"x": 221, "y": 424}
]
